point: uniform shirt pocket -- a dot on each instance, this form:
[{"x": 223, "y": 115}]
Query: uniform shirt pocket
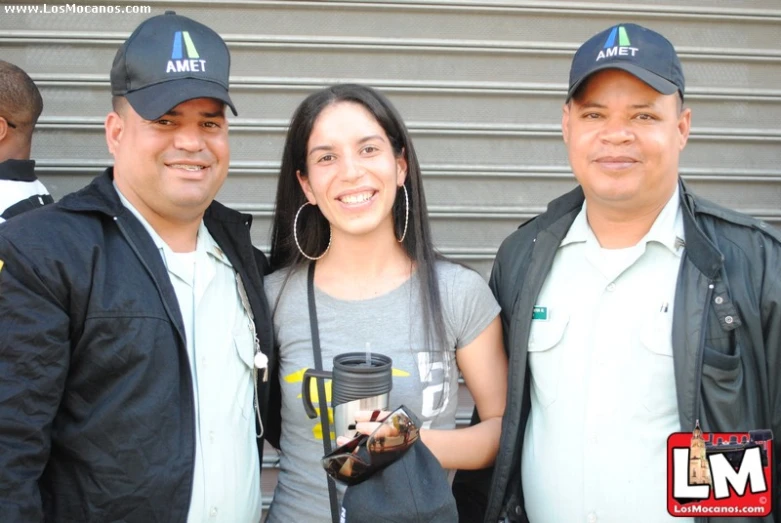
[
  {"x": 656, "y": 383},
  {"x": 545, "y": 356}
]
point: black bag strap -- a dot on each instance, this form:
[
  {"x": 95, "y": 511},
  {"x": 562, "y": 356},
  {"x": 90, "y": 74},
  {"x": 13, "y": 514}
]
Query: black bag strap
[{"x": 310, "y": 284}]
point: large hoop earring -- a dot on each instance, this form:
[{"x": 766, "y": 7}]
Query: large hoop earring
[
  {"x": 406, "y": 214},
  {"x": 295, "y": 236}
]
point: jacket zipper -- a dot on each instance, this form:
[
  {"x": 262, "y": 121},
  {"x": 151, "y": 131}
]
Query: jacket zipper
[
  {"x": 187, "y": 356},
  {"x": 700, "y": 350},
  {"x": 698, "y": 368}
]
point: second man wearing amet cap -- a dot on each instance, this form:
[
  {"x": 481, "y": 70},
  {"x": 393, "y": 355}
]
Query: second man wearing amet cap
[
  {"x": 132, "y": 313},
  {"x": 631, "y": 308}
]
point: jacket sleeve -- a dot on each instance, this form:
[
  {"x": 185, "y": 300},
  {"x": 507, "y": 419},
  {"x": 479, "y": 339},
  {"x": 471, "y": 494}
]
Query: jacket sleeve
[
  {"x": 771, "y": 324},
  {"x": 34, "y": 358}
]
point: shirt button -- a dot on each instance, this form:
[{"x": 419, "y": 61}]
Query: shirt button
[
  {"x": 611, "y": 287},
  {"x": 591, "y": 518},
  {"x": 728, "y": 320},
  {"x": 719, "y": 300},
  {"x": 211, "y": 439},
  {"x": 213, "y": 512}
]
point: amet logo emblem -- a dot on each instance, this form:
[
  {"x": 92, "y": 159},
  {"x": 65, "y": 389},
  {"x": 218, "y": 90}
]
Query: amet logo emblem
[
  {"x": 177, "y": 64},
  {"x": 610, "y": 49}
]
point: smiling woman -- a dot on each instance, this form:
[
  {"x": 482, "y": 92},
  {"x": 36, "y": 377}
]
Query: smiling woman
[
  {"x": 350, "y": 201},
  {"x": 353, "y": 174}
]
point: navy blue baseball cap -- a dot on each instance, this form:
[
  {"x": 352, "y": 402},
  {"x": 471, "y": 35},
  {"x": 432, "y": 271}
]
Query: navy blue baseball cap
[
  {"x": 170, "y": 59},
  {"x": 637, "y": 50}
]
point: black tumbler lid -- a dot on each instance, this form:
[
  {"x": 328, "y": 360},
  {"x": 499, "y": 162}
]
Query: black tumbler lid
[{"x": 353, "y": 379}]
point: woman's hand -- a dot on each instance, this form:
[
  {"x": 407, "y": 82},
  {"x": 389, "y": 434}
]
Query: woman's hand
[{"x": 366, "y": 422}]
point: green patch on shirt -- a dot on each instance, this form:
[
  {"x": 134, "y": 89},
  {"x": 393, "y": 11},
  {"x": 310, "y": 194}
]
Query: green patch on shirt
[{"x": 540, "y": 313}]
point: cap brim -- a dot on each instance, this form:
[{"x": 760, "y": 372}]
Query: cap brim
[
  {"x": 655, "y": 81},
  {"x": 154, "y": 101}
]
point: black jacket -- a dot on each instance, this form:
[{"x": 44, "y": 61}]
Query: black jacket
[
  {"x": 726, "y": 352},
  {"x": 96, "y": 402}
]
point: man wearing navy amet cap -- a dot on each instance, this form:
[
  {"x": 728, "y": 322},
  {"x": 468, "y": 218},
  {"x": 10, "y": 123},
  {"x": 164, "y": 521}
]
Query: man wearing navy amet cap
[
  {"x": 631, "y": 308},
  {"x": 134, "y": 331}
]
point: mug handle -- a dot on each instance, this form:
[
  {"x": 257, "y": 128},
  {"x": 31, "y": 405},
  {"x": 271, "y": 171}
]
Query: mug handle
[{"x": 305, "y": 388}]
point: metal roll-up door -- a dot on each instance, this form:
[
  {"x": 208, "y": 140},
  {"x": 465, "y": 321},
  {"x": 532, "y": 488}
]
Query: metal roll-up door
[{"x": 479, "y": 82}]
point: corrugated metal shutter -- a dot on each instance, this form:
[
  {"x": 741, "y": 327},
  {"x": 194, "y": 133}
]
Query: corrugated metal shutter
[{"x": 479, "y": 82}]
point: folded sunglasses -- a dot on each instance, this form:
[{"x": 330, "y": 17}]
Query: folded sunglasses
[{"x": 358, "y": 459}]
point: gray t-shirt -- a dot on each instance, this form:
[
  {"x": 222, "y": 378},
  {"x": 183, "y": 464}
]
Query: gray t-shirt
[{"x": 393, "y": 324}]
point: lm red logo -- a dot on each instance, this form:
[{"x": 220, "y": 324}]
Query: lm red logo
[{"x": 719, "y": 474}]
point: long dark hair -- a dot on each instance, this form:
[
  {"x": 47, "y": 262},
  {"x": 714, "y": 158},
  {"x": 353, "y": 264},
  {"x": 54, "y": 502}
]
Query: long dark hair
[{"x": 314, "y": 230}]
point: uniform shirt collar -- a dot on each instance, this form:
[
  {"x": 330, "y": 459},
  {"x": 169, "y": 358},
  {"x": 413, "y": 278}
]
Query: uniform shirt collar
[
  {"x": 209, "y": 244},
  {"x": 204, "y": 243},
  {"x": 579, "y": 231},
  {"x": 668, "y": 226},
  {"x": 667, "y": 229}
]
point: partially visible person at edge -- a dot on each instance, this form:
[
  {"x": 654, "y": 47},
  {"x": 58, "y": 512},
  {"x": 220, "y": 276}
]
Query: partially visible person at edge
[
  {"x": 350, "y": 199},
  {"x": 20, "y": 107},
  {"x": 126, "y": 313},
  {"x": 632, "y": 308}
]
